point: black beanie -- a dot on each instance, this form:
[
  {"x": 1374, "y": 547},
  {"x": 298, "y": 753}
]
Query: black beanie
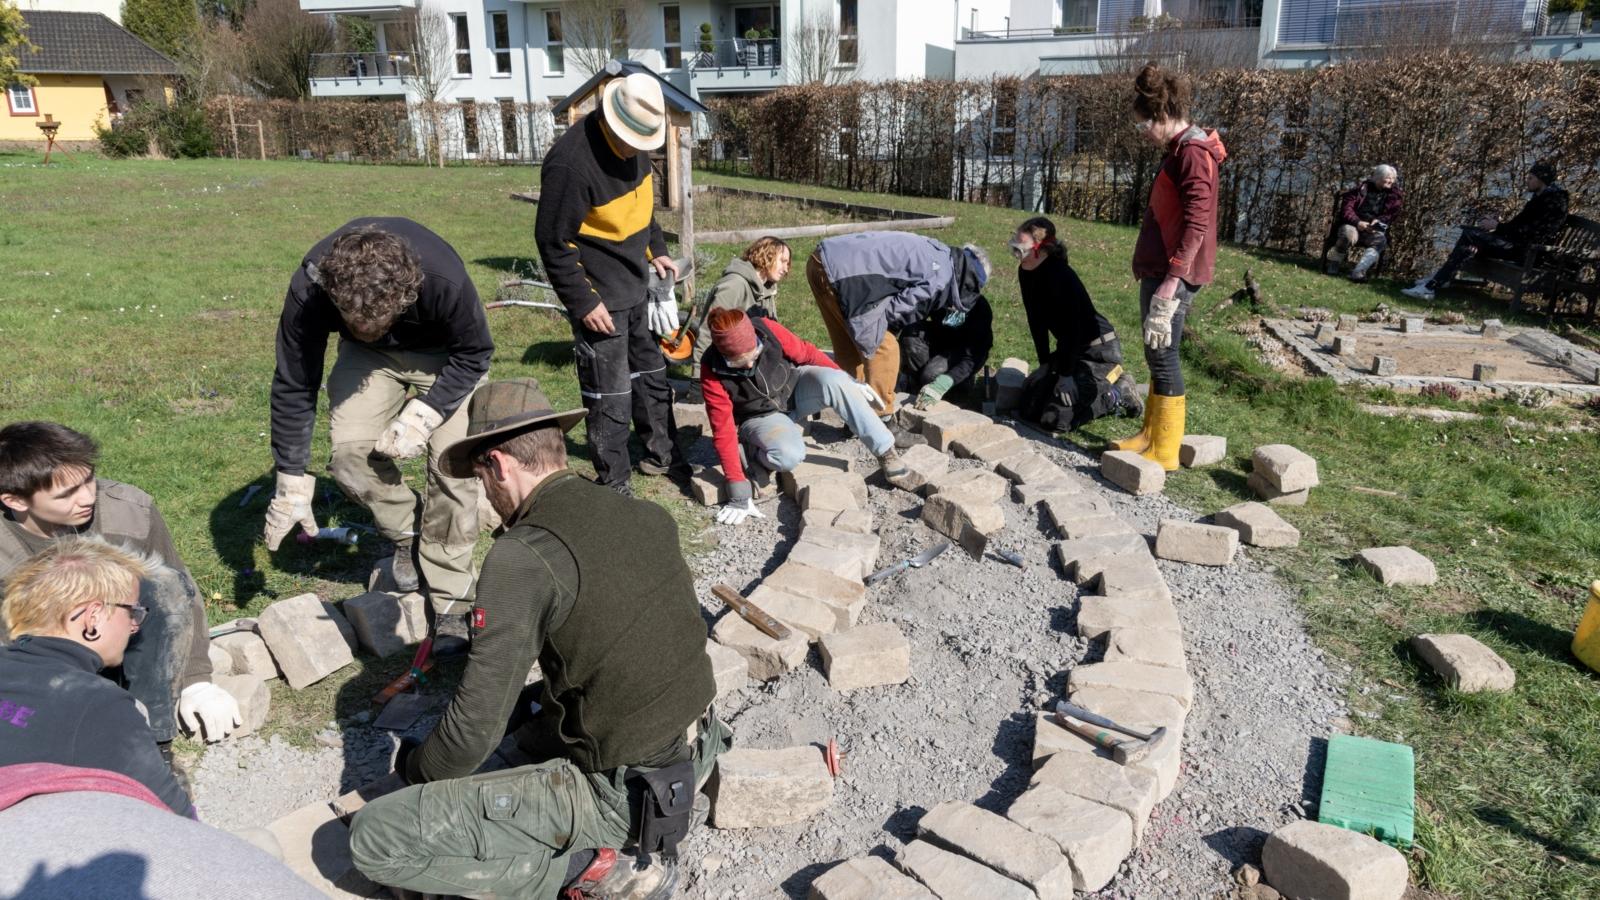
[{"x": 1544, "y": 172}]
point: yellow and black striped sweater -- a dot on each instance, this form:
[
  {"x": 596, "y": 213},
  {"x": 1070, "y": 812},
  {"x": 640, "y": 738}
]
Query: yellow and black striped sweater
[{"x": 596, "y": 228}]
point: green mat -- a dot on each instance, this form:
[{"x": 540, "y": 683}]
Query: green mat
[{"x": 1370, "y": 786}]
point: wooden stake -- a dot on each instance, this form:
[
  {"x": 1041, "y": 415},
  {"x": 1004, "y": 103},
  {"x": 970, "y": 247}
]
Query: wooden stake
[
  {"x": 233, "y": 128},
  {"x": 261, "y": 139}
]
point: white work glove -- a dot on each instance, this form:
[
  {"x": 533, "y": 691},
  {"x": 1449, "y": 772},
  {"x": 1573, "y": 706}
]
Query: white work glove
[
  {"x": 291, "y": 505},
  {"x": 407, "y": 436},
  {"x": 663, "y": 314},
  {"x": 735, "y": 511},
  {"x": 1158, "y": 322},
  {"x": 873, "y": 399},
  {"x": 209, "y": 711}
]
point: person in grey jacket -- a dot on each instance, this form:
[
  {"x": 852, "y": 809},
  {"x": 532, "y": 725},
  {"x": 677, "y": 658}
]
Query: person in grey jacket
[
  {"x": 749, "y": 282},
  {"x": 869, "y": 286}
]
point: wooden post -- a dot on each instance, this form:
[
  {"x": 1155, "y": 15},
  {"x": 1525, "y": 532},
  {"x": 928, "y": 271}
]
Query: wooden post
[
  {"x": 686, "y": 214},
  {"x": 261, "y": 139},
  {"x": 233, "y": 128}
]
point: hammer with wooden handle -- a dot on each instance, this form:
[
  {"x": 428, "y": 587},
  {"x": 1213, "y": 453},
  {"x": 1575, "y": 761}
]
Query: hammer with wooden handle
[
  {"x": 1069, "y": 715},
  {"x": 750, "y": 612}
]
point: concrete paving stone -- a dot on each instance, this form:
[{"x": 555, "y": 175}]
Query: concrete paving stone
[
  {"x": 805, "y": 614},
  {"x": 866, "y": 656},
  {"x": 768, "y": 658},
  {"x": 249, "y": 654},
  {"x": 867, "y": 878},
  {"x": 316, "y": 847},
  {"x": 309, "y": 638},
  {"x": 1347, "y": 322},
  {"x": 1000, "y": 844},
  {"x": 1284, "y": 467},
  {"x": 728, "y": 666},
  {"x": 979, "y": 482},
  {"x": 943, "y": 429},
  {"x": 1099, "y": 614},
  {"x": 955, "y": 877},
  {"x": 1104, "y": 782},
  {"x": 254, "y": 696},
  {"x": 1074, "y": 553},
  {"x": 1132, "y": 676},
  {"x": 830, "y": 494},
  {"x": 765, "y": 788},
  {"x": 854, "y": 521},
  {"x": 1202, "y": 450},
  {"x": 1345, "y": 345},
  {"x": 1261, "y": 487},
  {"x": 708, "y": 485},
  {"x": 221, "y": 662},
  {"x": 1385, "y": 366},
  {"x": 923, "y": 464},
  {"x": 843, "y": 563},
  {"x": 1150, "y": 646},
  {"x": 1196, "y": 543},
  {"x": 1308, "y": 859},
  {"x": 911, "y": 418},
  {"x": 796, "y": 577},
  {"x": 1162, "y": 762},
  {"x": 1411, "y": 324},
  {"x": 982, "y": 436},
  {"x": 1081, "y": 527},
  {"x": 1096, "y": 838},
  {"x": 1324, "y": 334},
  {"x": 383, "y": 624},
  {"x": 951, "y": 513},
  {"x": 1465, "y": 663},
  {"x": 1132, "y": 472},
  {"x": 1258, "y": 525},
  {"x": 866, "y": 545},
  {"x": 1135, "y": 709},
  {"x": 1398, "y": 566}
]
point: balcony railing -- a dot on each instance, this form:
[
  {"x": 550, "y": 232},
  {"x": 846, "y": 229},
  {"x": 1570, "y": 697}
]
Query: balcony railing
[
  {"x": 761, "y": 53},
  {"x": 360, "y": 67}
]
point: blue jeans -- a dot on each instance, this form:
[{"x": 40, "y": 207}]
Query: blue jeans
[
  {"x": 1166, "y": 373},
  {"x": 775, "y": 439}
]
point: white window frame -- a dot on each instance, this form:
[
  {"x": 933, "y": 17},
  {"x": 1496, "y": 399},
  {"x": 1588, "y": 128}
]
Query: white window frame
[
  {"x": 559, "y": 47},
  {"x": 500, "y": 53},
  {"x": 854, "y": 39},
  {"x": 462, "y": 35},
  {"x": 1061, "y": 16},
  {"x": 12, "y": 96},
  {"x": 669, "y": 44}
]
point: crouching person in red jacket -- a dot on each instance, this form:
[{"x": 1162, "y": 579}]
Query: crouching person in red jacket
[{"x": 759, "y": 381}]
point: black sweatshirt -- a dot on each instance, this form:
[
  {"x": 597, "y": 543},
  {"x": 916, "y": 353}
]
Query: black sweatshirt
[
  {"x": 55, "y": 707},
  {"x": 967, "y": 345},
  {"x": 447, "y": 318},
  {"x": 1057, "y": 304},
  {"x": 596, "y": 228}
]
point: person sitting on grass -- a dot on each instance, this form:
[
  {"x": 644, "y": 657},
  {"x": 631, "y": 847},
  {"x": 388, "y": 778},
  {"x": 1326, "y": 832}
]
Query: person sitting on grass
[
  {"x": 71, "y": 610},
  {"x": 759, "y": 381},
  {"x": 945, "y": 353},
  {"x": 1366, "y": 212},
  {"x": 1539, "y": 222},
  {"x": 1081, "y": 379},
  {"x": 49, "y": 492},
  {"x": 748, "y": 283}
]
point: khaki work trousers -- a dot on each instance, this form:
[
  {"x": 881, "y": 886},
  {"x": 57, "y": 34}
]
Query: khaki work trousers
[
  {"x": 881, "y": 369},
  {"x": 366, "y": 390}
]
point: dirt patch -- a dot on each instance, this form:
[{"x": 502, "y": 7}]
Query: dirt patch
[
  {"x": 201, "y": 406},
  {"x": 1452, "y": 355},
  {"x": 224, "y": 315}
]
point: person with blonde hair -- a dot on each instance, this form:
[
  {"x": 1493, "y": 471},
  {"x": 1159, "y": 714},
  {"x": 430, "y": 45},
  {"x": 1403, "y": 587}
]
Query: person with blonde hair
[
  {"x": 71, "y": 610},
  {"x": 747, "y": 283}
]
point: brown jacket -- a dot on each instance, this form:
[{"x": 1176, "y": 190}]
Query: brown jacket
[{"x": 1179, "y": 235}]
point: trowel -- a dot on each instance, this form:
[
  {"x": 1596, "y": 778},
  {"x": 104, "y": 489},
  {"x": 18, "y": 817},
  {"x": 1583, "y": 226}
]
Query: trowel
[{"x": 915, "y": 562}]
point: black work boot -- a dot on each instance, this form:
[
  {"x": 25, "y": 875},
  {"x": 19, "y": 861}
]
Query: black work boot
[
  {"x": 451, "y": 637},
  {"x": 403, "y": 567},
  {"x": 904, "y": 438},
  {"x": 179, "y": 773},
  {"x": 1128, "y": 401}
]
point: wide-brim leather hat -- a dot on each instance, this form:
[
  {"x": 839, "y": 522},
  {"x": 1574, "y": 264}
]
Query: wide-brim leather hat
[
  {"x": 636, "y": 110},
  {"x": 503, "y": 409}
]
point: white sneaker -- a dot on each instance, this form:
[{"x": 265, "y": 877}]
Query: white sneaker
[{"x": 1419, "y": 291}]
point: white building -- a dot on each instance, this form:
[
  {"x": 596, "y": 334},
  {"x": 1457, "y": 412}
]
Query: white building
[{"x": 111, "y": 9}]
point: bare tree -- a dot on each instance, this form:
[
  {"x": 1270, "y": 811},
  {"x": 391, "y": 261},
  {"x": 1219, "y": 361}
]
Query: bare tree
[
  {"x": 280, "y": 40},
  {"x": 811, "y": 53},
  {"x": 428, "y": 63},
  {"x": 598, "y": 31}
]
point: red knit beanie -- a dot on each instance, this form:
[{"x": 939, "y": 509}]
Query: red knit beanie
[{"x": 731, "y": 332}]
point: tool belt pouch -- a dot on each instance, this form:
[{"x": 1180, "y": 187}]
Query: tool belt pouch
[{"x": 667, "y": 807}]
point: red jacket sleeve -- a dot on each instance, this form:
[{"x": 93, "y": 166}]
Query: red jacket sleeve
[
  {"x": 1347, "y": 212},
  {"x": 724, "y": 432},
  {"x": 797, "y": 349},
  {"x": 1197, "y": 202}
]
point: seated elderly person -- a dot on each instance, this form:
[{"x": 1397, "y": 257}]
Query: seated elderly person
[
  {"x": 70, "y": 611},
  {"x": 1361, "y": 226}
]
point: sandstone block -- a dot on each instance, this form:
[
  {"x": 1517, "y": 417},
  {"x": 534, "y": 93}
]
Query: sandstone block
[
  {"x": 691, "y": 415},
  {"x": 765, "y": 788},
  {"x": 1060, "y": 510},
  {"x": 923, "y": 464},
  {"x": 1344, "y": 345},
  {"x": 818, "y": 518},
  {"x": 1104, "y": 782},
  {"x": 1151, "y": 646},
  {"x": 843, "y": 563},
  {"x": 249, "y": 654},
  {"x": 768, "y": 658},
  {"x": 952, "y": 875},
  {"x": 728, "y": 667},
  {"x": 1202, "y": 450},
  {"x": 1074, "y": 554},
  {"x": 1384, "y": 365},
  {"x": 830, "y": 494},
  {"x": 1132, "y": 472},
  {"x": 911, "y": 418},
  {"x": 1049, "y": 738},
  {"x": 1000, "y": 844},
  {"x": 1136, "y": 709},
  {"x": 1258, "y": 525},
  {"x": 252, "y": 694},
  {"x": 1269, "y": 493},
  {"x": 1324, "y": 334},
  {"x": 1078, "y": 528},
  {"x": 1008, "y": 380},
  {"x": 1029, "y": 467},
  {"x": 943, "y": 429},
  {"x": 819, "y": 465},
  {"x": 994, "y": 454},
  {"x": 1132, "y": 577},
  {"x": 1311, "y": 860},
  {"x": 982, "y": 436},
  {"x": 846, "y": 594},
  {"x": 977, "y": 482},
  {"x": 867, "y": 878},
  {"x": 1098, "y": 615},
  {"x": 864, "y": 545},
  {"x": 316, "y": 847},
  {"x": 951, "y": 513},
  {"x": 854, "y": 521},
  {"x": 1163, "y": 762},
  {"x": 708, "y": 485},
  {"x": 1465, "y": 663},
  {"x": 1285, "y": 467},
  {"x": 1347, "y": 322},
  {"x": 1132, "y": 676},
  {"x": 805, "y": 614},
  {"x": 386, "y": 624},
  {"x": 308, "y": 637},
  {"x": 1196, "y": 543},
  {"x": 1398, "y": 565},
  {"x": 866, "y": 656},
  {"x": 1095, "y": 838},
  {"x": 1029, "y": 494},
  {"x": 1493, "y": 328},
  {"x": 1411, "y": 325},
  {"x": 221, "y": 662},
  {"x": 1485, "y": 372}
]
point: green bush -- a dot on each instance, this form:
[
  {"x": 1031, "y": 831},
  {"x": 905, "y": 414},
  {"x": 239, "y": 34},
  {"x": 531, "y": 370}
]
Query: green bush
[{"x": 179, "y": 131}]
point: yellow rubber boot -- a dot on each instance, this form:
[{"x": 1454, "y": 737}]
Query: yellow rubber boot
[
  {"x": 1139, "y": 442},
  {"x": 1166, "y": 429}
]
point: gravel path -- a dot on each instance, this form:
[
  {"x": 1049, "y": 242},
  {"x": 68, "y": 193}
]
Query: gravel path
[{"x": 990, "y": 646}]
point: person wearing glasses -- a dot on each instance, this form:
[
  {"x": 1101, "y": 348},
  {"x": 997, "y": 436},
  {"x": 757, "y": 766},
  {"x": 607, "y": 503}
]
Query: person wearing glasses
[
  {"x": 49, "y": 491},
  {"x": 71, "y": 610}
]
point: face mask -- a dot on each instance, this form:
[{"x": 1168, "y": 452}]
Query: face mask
[{"x": 1018, "y": 249}]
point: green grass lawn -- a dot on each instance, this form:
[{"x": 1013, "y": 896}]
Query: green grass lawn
[{"x": 139, "y": 299}]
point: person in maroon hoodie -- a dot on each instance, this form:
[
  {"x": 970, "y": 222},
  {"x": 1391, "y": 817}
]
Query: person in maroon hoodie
[
  {"x": 1176, "y": 251},
  {"x": 759, "y": 381}
]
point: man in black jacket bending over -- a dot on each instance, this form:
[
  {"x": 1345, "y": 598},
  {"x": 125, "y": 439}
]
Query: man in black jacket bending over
[
  {"x": 597, "y": 234},
  {"x": 1539, "y": 222},
  {"x": 413, "y": 343}
]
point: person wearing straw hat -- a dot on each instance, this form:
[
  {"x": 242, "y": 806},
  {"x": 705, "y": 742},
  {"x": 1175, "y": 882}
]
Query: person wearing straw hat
[
  {"x": 592, "y": 586},
  {"x": 597, "y": 234}
]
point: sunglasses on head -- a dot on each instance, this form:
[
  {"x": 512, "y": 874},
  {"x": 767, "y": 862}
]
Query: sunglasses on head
[{"x": 135, "y": 612}]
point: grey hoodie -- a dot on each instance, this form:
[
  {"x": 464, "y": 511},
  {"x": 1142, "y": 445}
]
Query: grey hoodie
[{"x": 741, "y": 288}]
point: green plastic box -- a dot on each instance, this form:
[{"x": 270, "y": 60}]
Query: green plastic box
[{"x": 1370, "y": 786}]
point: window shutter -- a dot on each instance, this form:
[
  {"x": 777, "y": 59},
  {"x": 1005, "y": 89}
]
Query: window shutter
[
  {"x": 1307, "y": 21},
  {"x": 1114, "y": 15}
]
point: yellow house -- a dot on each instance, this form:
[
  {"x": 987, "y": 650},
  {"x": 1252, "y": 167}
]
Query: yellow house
[{"x": 87, "y": 69}]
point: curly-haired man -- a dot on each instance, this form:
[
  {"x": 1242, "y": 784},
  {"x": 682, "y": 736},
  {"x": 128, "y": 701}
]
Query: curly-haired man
[{"x": 413, "y": 344}]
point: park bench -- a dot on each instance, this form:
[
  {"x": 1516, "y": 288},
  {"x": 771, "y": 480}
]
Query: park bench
[{"x": 1563, "y": 272}]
